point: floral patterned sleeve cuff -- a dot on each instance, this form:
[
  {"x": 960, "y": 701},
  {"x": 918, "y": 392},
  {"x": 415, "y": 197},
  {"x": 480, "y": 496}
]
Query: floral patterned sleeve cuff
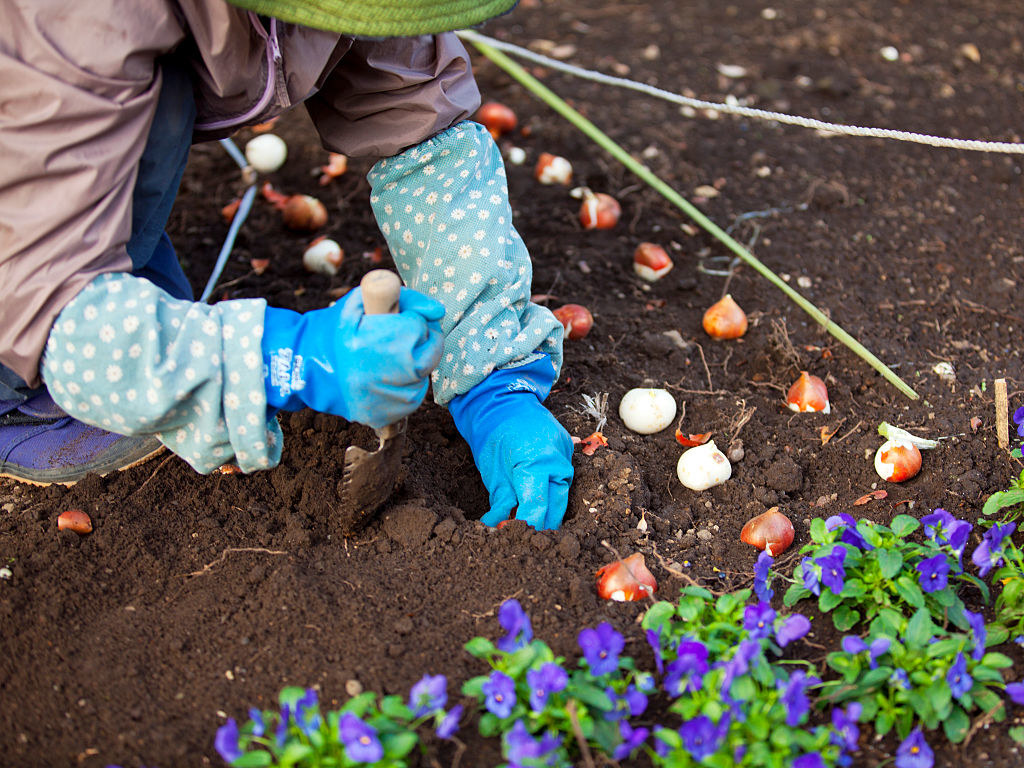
[
  {"x": 443, "y": 208},
  {"x": 127, "y": 357}
]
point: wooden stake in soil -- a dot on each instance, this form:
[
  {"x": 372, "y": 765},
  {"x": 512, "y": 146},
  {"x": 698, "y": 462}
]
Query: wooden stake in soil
[{"x": 1002, "y": 414}]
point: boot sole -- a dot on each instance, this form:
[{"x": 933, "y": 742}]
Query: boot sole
[{"x": 43, "y": 481}]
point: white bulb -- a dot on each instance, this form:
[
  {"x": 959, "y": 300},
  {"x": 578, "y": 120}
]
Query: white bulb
[
  {"x": 647, "y": 410},
  {"x": 703, "y": 467},
  {"x": 266, "y": 153},
  {"x": 323, "y": 256}
]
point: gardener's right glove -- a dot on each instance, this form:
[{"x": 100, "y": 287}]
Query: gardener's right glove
[{"x": 372, "y": 369}]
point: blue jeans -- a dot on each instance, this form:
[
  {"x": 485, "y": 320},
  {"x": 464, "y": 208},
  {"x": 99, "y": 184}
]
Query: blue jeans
[{"x": 160, "y": 169}]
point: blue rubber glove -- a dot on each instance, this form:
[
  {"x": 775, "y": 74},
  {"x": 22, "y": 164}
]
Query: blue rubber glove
[
  {"x": 524, "y": 455},
  {"x": 372, "y": 369}
]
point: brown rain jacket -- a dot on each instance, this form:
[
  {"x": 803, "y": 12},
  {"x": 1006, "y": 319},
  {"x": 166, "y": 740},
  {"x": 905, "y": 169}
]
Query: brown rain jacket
[{"x": 79, "y": 84}]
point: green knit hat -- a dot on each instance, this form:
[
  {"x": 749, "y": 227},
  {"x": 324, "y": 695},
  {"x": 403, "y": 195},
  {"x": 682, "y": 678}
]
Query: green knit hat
[{"x": 380, "y": 18}]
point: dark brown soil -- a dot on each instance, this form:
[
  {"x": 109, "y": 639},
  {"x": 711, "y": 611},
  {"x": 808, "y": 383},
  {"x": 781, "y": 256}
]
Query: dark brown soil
[{"x": 196, "y": 597}]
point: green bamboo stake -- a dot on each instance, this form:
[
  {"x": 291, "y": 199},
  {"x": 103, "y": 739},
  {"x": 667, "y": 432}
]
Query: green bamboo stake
[{"x": 607, "y": 143}]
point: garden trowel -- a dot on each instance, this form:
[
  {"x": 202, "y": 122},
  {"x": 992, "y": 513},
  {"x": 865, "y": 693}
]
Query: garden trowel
[{"x": 369, "y": 476}]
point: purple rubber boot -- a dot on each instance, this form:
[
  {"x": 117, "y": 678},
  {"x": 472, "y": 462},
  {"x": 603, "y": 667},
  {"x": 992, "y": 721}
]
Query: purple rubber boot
[{"x": 42, "y": 445}]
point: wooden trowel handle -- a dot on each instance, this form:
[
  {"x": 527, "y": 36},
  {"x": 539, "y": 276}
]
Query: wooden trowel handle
[{"x": 381, "y": 288}]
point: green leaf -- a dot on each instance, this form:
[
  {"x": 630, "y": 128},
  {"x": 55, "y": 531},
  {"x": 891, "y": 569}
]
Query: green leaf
[
  {"x": 819, "y": 532},
  {"x": 939, "y": 695},
  {"x": 996, "y": 634},
  {"x": 395, "y": 708},
  {"x": 474, "y": 686},
  {"x": 358, "y": 705},
  {"x": 490, "y": 725},
  {"x": 658, "y": 615},
  {"x": 398, "y": 745},
  {"x": 290, "y": 695},
  {"x": 480, "y": 647},
  {"x": 996, "y": 660},
  {"x": 883, "y": 723},
  {"x": 890, "y": 561},
  {"x": 258, "y": 759},
  {"x": 904, "y": 525},
  {"x": 828, "y": 600},
  {"x": 795, "y": 594},
  {"x": 909, "y": 590},
  {"x": 845, "y": 618},
  {"x": 920, "y": 629},
  {"x": 593, "y": 696},
  {"x": 518, "y": 662},
  {"x": 956, "y": 725},
  {"x": 293, "y": 753},
  {"x": 1017, "y": 733},
  {"x": 988, "y": 701},
  {"x": 743, "y": 689},
  {"x": 888, "y": 622},
  {"x": 1001, "y": 500}
]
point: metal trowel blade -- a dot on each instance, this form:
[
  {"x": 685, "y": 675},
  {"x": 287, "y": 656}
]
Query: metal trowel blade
[{"x": 369, "y": 478}]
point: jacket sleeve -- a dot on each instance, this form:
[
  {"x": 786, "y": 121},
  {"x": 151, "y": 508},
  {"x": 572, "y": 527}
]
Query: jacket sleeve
[
  {"x": 78, "y": 101},
  {"x": 386, "y": 95}
]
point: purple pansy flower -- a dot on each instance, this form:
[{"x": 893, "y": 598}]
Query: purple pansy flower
[
  {"x": 833, "y": 574},
  {"x": 226, "y": 741},
  {"x": 758, "y": 619},
  {"x": 762, "y": 569},
  {"x": 1016, "y": 693},
  {"x": 307, "y": 714},
  {"x": 282, "y": 726},
  {"x": 899, "y": 679},
  {"x": 845, "y": 723},
  {"x": 449, "y": 723},
  {"x": 259, "y": 726},
  {"x": 547, "y": 679},
  {"x": 934, "y": 573},
  {"x": 850, "y": 534},
  {"x": 914, "y": 752},
  {"x": 989, "y": 553},
  {"x": 632, "y": 703},
  {"x": 686, "y": 671},
  {"x": 700, "y": 737},
  {"x": 632, "y": 738},
  {"x": 792, "y": 628},
  {"x": 359, "y": 739},
  {"x": 937, "y": 525},
  {"x": 429, "y": 695},
  {"x": 809, "y": 760},
  {"x": 853, "y": 644},
  {"x": 654, "y": 640},
  {"x": 794, "y": 698},
  {"x": 500, "y": 694},
  {"x": 739, "y": 664},
  {"x": 958, "y": 678},
  {"x": 811, "y": 575},
  {"x": 520, "y": 748},
  {"x": 601, "y": 648},
  {"x": 516, "y": 623},
  {"x": 978, "y": 633}
]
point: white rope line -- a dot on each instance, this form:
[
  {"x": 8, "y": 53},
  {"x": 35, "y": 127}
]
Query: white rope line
[{"x": 761, "y": 114}]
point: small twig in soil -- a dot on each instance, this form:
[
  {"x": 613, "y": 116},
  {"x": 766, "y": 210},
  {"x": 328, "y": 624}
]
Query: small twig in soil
[
  {"x": 158, "y": 468},
  {"x": 460, "y": 748},
  {"x": 231, "y": 550},
  {"x": 740, "y": 421},
  {"x": 981, "y": 722},
  {"x": 707, "y": 370},
  {"x": 588, "y": 759},
  {"x": 854, "y": 429},
  {"x": 679, "y": 574},
  {"x": 497, "y": 605},
  {"x": 1002, "y": 414}
]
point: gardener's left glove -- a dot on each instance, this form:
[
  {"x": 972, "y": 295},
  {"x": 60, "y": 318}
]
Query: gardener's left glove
[{"x": 524, "y": 455}]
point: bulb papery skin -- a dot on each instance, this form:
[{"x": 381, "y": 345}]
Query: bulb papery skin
[
  {"x": 323, "y": 256},
  {"x": 897, "y": 460},
  {"x": 703, "y": 467},
  {"x": 647, "y": 411},
  {"x": 552, "y": 169},
  {"x": 651, "y": 262},
  {"x": 599, "y": 211},
  {"x": 266, "y": 152},
  {"x": 725, "y": 320},
  {"x": 808, "y": 395}
]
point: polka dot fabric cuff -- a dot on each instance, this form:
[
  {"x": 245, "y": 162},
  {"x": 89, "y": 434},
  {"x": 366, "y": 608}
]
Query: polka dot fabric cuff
[
  {"x": 443, "y": 208},
  {"x": 127, "y": 357}
]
